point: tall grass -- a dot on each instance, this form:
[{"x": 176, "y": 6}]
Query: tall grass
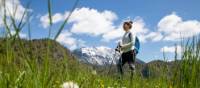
[
  {"x": 21, "y": 70},
  {"x": 186, "y": 73}
]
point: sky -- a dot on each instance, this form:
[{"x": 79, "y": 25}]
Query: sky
[{"x": 159, "y": 24}]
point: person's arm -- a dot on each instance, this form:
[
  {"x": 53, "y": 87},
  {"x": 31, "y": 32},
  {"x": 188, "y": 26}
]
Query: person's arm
[{"x": 131, "y": 43}]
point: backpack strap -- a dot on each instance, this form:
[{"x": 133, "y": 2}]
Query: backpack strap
[{"x": 129, "y": 35}]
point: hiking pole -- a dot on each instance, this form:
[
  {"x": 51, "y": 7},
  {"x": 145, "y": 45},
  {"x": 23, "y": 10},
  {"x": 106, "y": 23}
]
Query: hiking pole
[
  {"x": 117, "y": 49},
  {"x": 120, "y": 63},
  {"x": 114, "y": 56},
  {"x": 120, "y": 59},
  {"x": 112, "y": 62}
]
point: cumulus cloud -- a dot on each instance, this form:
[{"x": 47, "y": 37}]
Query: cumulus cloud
[
  {"x": 139, "y": 28},
  {"x": 85, "y": 21},
  {"x": 91, "y": 21},
  {"x": 154, "y": 36},
  {"x": 174, "y": 27},
  {"x": 16, "y": 9},
  {"x": 11, "y": 6},
  {"x": 58, "y": 17},
  {"x": 94, "y": 23},
  {"x": 171, "y": 49},
  {"x": 67, "y": 39},
  {"x": 113, "y": 34}
]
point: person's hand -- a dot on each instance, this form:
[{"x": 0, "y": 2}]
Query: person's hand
[
  {"x": 120, "y": 44},
  {"x": 116, "y": 49}
]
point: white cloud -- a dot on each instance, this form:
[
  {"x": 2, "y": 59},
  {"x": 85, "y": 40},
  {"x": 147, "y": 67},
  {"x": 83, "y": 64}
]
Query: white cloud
[
  {"x": 85, "y": 21},
  {"x": 55, "y": 19},
  {"x": 11, "y": 6},
  {"x": 154, "y": 36},
  {"x": 101, "y": 23},
  {"x": 71, "y": 42},
  {"x": 139, "y": 28},
  {"x": 113, "y": 34},
  {"x": 171, "y": 49},
  {"x": 92, "y": 22},
  {"x": 174, "y": 28}
]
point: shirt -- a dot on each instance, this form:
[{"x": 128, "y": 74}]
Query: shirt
[{"x": 128, "y": 42}]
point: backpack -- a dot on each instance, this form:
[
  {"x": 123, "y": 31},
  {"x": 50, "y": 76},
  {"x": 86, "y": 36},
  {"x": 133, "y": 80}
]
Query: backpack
[{"x": 137, "y": 43}]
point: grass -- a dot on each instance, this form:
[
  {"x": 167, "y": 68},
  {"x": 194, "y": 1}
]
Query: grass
[{"x": 22, "y": 70}]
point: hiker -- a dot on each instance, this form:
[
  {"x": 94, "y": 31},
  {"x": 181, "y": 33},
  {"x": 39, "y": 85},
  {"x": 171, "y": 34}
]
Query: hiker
[{"x": 127, "y": 48}]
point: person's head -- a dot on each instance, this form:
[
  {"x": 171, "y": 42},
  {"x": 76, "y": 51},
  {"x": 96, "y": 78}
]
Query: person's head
[{"x": 127, "y": 25}]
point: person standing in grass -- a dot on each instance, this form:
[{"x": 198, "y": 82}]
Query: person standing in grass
[{"x": 127, "y": 48}]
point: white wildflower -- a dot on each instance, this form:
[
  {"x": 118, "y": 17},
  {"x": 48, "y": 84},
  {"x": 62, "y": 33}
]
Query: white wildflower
[{"x": 70, "y": 85}]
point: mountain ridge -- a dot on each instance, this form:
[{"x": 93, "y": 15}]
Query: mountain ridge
[{"x": 99, "y": 55}]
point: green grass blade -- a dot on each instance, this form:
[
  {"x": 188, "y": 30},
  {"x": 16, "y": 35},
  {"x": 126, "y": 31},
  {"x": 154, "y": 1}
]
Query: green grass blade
[
  {"x": 67, "y": 18},
  {"x": 50, "y": 12}
]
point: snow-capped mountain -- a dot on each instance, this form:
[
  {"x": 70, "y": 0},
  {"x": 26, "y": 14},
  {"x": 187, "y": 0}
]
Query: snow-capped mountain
[{"x": 98, "y": 55}]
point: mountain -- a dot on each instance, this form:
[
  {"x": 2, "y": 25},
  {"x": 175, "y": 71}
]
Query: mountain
[
  {"x": 35, "y": 49},
  {"x": 99, "y": 56},
  {"x": 104, "y": 61},
  {"x": 156, "y": 68}
]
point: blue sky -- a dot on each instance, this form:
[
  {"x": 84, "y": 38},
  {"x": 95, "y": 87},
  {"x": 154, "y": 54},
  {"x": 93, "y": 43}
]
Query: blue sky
[{"x": 159, "y": 22}]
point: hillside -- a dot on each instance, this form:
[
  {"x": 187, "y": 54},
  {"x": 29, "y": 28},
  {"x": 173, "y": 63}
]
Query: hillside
[{"x": 36, "y": 49}]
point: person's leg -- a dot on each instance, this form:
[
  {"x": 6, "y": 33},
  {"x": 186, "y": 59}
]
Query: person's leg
[{"x": 131, "y": 60}]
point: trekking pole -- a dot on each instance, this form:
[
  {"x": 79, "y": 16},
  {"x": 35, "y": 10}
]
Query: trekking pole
[
  {"x": 111, "y": 63},
  {"x": 117, "y": 49}
]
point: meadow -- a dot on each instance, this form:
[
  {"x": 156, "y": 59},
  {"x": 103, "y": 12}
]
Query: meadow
[{"x": 21, "y": 68}]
